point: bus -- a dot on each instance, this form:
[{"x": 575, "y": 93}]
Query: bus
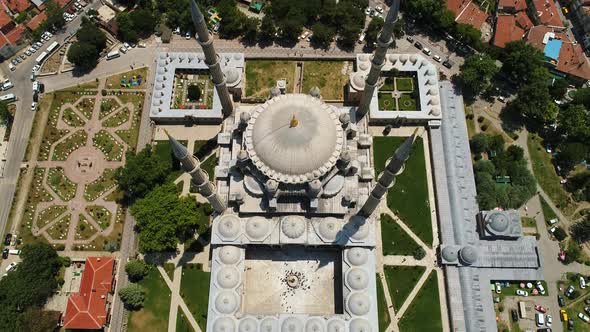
[
  {"x": 52, "y": 47},
  {"x": 113, "y": 54},
  {"x": 41, "y": 57},
  {"x": 8, "y": 97}
]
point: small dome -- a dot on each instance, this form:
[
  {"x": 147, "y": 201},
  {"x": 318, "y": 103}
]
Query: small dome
[
  {"x": 274, "y": 91},
  {"x": 292, "y": 324},
  {"x": 364, "y": 66},
  {"x": 357, "y": 278},
  {"x": 413, "y": 58},
  {"x": 358, "y": 80},
  {"x": 248, "y": 324},
  {"x": 232, "y": 76},
  {"x": 344, "y": 118},
  {"x": 357, "y": 256},
  {"x": 468, "y": 255},
  {"x": 245, "y": 117},
  {"x": 242, "y": 155},
  {"x": 228, "y": 277},
  {"x": 315, "y": 325},
  {"x": 253, "y": 186},
  {"x": 433, "y": 92},
  {"x": 430, "y": 72},
  {"x": 229, "y": 254},
  {"x": 360, "y": 325},
  {"x": 226, "y": 302},
  {"x": 181, "y": 56},
  {"x": 336, "y": 325},
  {"x": 269, "y": 324},
  {"x": 358, "y": 303},
  {"x": 293, "y": 226},
  {"x": 159, "y": 87},
  {"x": 434, "y": 101},
  {"x": 237, "y": 56},
  {"x": 498, "y": 222},
  {"x": 435, "y": 111},
  {"x": 315, "y": 92},
  {"x": 162, "y": 56},
  {"x": 449, "y": 253},
  {"x": 364, "y": 57},
  {"x": 334, "y": 186},
  {"x": 329, "y": 228},
  {"x": 172, "y": 56},
  {"x": 161, "y": 71},
  {"x": 228, "y": 226},
  {"x": 403, "y": 58},
  {"x": 257, "y": 228},
  {"x": 393, "y": 58},
  {"x": 160, "y": 78},
  {"x": 224, "y": 324}
]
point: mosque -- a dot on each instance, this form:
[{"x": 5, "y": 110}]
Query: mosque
[{"x": 293, "y": 241}]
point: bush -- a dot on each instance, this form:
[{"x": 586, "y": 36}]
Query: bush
[
  {"x": 559, "y": 234},
  {"x": 132, "y": 296},
  {"x": 65, "y": 261},
  {"x": 136, "y": 270},
  {"x": 501, "y": 308},
  {"x": 193, "y": 92},
  {"x": 480, "y": 119},
  {"x": 103, "y": 92},
  {"x": 484, "y": 127},
  {"x": 419, "y": 253}
]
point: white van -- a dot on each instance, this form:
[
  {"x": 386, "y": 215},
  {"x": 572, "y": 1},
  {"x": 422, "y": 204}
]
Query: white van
[
  {"x": 582, "y": 282},
  {"x": 7, "y": 85},
  {"x": 553, "y": 221},
  {"x": 540, "y": 318},
  {"x": 14, "y": 252}
]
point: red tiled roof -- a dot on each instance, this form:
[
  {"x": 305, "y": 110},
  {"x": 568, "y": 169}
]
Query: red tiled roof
[
  {"x": 5, "y": 19},
  {"x": 36, "y": 21},
  {"x": 518, "y": 5},
  {"x": 507, "y": 30},
  {"x": 472, "y": 15},
  {"x": 457, "y": 6},
  {"x": 536, "y": 34},
  {"x": 15, "y": 34},
  {"x": 17, "y": 5},
  {"x": 87, "y": 308},
  {"x": 3, "y": 40},
  {"x": 523, "y": 20},
  {"x": 62, "y": 3},
  {"x": 547, "y": 13}
]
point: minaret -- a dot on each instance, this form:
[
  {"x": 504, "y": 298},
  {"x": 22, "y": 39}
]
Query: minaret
[
  {"x": 394, "y": 167},
  {"x": 383, "y": 42},
  {"x": 211, "y": 59},
  {"x": 200, "y": 178}
]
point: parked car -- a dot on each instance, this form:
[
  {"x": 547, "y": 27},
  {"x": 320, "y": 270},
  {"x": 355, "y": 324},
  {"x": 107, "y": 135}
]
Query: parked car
[
  {"x": 498, "y": 288},
  {"x": 540, "y": 319},
  {"x": 5, "y": 253},
  {"x": 514, "y": 315},
  {"x": 560, "y": 300},
  {"x": 582, "y": 282},
  {"x": 587, "y": 310},
  {"x": 367, "y": 11},
  {"x": 28, "y": 53},
  {"x": 584, "y": 317},
  {"x": 570, "y": 324},
  {"x": 418, "y": 45},
  {"x": 540, "y": 308},
  {"x": 11, "y": 266},
  {"x": 563, "y": 315},
  {"x": 521, "y": 292},
  {"x": 569, "y": 291},
  {"x": 33, "y": 106},
  {"x": 437, "y": 58},
  {"x": 7, "y": 239},
  {"x": 426, "y": 51},
  {"x": 7, "y": 85},
  {"x": 11, "y": 67},
  {"x": 548, "y": 320},
  {"x": 587, "y": 300},
  {"x": 540, "y": 287},
  {"x": 410, "y": 39}
]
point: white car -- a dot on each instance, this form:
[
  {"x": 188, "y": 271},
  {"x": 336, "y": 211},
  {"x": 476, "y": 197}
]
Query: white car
[
  {"x": 426, "y": 51},
  {"x": 548, "y": 320},
  {"x": 367, "y": 11},
  {"x": 7, "y": 85},
  {"x": 521, "y": 292},
  {"x": 126, "y": 45},
  {"x": 33, "y": 106},
  {"x": 13, "y": 265},
  {"x": 36, "y": 68},
  {"x": 12, "y": 67},
  {"x": 582, "y": 282},
  {"x": 584, "y": 317},
  {"x": 498, "y": 288},
  {"x": 540, "y": 287},
  {"x": 379, "y": 9},
  {"x": 437, "y": 58}
]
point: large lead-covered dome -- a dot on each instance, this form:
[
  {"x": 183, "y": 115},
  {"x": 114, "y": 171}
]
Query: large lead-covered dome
[{"x": 294, "y": 138}]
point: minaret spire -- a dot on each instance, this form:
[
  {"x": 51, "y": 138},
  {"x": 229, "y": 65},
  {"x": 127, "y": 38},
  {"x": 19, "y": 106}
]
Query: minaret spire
[
  {"x": 385, "y": 39},
  {"x": 387, "y": 178},
  {"x": 199, "y": 177},
  {"x": 211, "y": 59}
]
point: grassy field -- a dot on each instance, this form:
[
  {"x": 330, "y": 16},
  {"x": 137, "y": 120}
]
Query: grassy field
[
  {"x": 400, "y": 281},
  {"x": 112, "y": 149},
  {"x": 386, "y": 102},
  {"x": 182, "y": 323},
  {"x": 72, "y": 119},
  {"x": 107, "y": 106},
  {"x": 384, "y": 318},
  {"x": 101, "y": 215},
  {"x": 262, "y": 75},
  {"x": 209, "y": 166},
  {"x": 59, "y": 230},
  {"x": 154, "y": 314},
  {"x": 118, "y": 119},
  {"x": 114, "y": 82},
  {"x": 408, "y": 103},
  {"x": 95, "y": 189},
  {"x": 395, "y": 240},
  {"x": 194, "y": 289},
  {"x": 548, "y": 212},
  {"x": 408, "y": 198},
  {"x": 426, "y": 304},
  {"x": 84, "y": 230},
  {"x": 63, "y": 149},
  {"x": 326, "y": 75},
  {"x": 547, "y": 177},
  {"x": 404, "y": 83},
  {"x": 61, "y": 185}
]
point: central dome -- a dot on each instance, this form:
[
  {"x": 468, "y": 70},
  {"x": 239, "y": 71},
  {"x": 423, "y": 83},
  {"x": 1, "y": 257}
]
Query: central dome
[{"x": 294, "y": 138}]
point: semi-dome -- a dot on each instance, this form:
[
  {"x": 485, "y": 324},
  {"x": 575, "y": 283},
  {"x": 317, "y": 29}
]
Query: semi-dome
[
  {"x": 292, "y": 138},
  {"x": 357, "y": 278},
  {"x": 450, "y": 253},
  {"x": 358, "y": 303},
  {"x": 357, "y": 256},
  {"x": 224, "y": 324},
  {"x": 228, "y": 277},
  {"x": 336, "y": 325},
  {"x": 257, "y": 228},
  {"x": 358, "y": 81},
  {"x": 248, "y": 324},
  {"x": 360, "y": 325},
  {"x": 228, "y": 226},
  {"x": 269, "y": 324},
  {"x": 315, "y": 325},
  {"x": 498, "y": 222},
  {"x": 329, "y": 228},
  {"x": 226, "y": 302},
  {"x": 468, "y": 255},
  {"x": 229, "y": 254},
  {"x": 292, "y": 324},
  {"x": 293, "y": 226}
]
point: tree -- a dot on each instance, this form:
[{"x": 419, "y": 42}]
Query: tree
[
  {"x": 486, "y": 191},
  {"x": 559, "y": 234},
  {"x": 570, "y": 154},
  {"x": 479, "y": 143},
  {"x": 126, "y": 30},
  {"x": 322, "y": 35},
  {"x": 468, "y": 34},
  {"x": 579, "y": 184},
  {"x": 580, "y": 231},
  {"x": 267, "y": 29},
  {"x": 373, "y": 30},
  {"x": 534, "y": 103},
  {"x": 520, "y": 60},
  {"x": 250, "y": 28},
  {"x": 83, "y": 55},
  {"x": 582, "y": 97},
  {"x": 136, "y": 270},
  {"x": 132, "y": 296},
  {"x": 54, "y": 14},
  {"x": 163, "y": 218},
  {"x": 232, "y": 22},
  {"x": 398, "y": 27},
  {"x": 419, "y": 253},
  {"x": 193, "y": 92},
  {"x": 477, "y": 72},
  {"x": 141, "y": 173},
  {"x": 38, "y": 320},
  {"x": 574, "y": 120},
  {"x": 5, "y": 115},
  {"x": 559, "y": 89}
]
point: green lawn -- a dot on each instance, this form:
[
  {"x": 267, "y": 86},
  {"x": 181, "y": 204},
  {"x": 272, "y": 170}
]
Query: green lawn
[
  {"x": 154, "y": 314},
  {"x": 404, "y": 83},
  {"x": 408, "y": 198},
  {"x": 182, "y": 323},
  {"x": 400, "y": 281},
  {"x": 548, "y": 212},
  {"x": 118, "y": 119},
  {"x": 209, "y": 166},
  {"x": 388, "y": 84},
  {"x": 194, "y": 289},
  {"x": 64, "y": 148},
  {"x": 114, "y": 82},
  {"x": 384, "y": 319},
  {"x": 528, "y": 222},
  {"x": 547, "y": 177},
  {"x": 386, "y": 101},
  {"x": 72, "y": 119},
  {"x": 61, "y": 185},
  {"x": 424, "y": 312},
  {"x": 112, "y": 149},
  {"x": 407, "y": 102},
  {"x": 395, "y": 240},
  {"x": 262, "y": 75},
  {"x": 100, "y": 214},
  {"x": 326, "y": 75},
  {"x": 95, "y": 189}
]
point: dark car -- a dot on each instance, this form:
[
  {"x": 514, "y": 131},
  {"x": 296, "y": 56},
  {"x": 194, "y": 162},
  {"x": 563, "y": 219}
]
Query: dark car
[
  {"x": 5, "y": 253},
  {"x": 547, "y": 329},
  {"x": 560, "y": 300},
  {"x": 514, "y": 315},
  {"x": 7, "y": 239},
  {"x": 448, "y": 64},
  {"x": 410, "y": 39},
  {"x": 570, "y": 324},
  {"x": 418, "y": 45}
]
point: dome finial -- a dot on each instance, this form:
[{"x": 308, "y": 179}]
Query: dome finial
[{"x": 294, "y": 122}]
